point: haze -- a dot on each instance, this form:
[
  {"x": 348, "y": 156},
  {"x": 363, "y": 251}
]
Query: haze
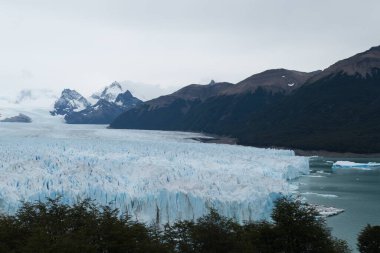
[{"x": 86, "y": 45}]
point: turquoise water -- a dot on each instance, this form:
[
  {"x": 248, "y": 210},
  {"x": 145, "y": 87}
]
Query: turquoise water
[{"x": 355, "y": 191}]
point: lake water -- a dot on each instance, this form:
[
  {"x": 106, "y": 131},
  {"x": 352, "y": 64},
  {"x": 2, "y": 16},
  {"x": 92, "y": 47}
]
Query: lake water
[
  {"x": 116, "y": 164},
  {"x": 355, "y": 191}
]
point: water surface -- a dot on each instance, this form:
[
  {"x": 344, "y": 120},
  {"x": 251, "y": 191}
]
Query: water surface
[{"x": 356, "y": 191}]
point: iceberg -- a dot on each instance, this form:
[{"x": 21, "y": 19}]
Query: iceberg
[
  {"x": 353, "y": 165},
  {"x": 154, "y": 176},
  {"x": 325, "y": 211},
  {"x": 320, "y": 195}
]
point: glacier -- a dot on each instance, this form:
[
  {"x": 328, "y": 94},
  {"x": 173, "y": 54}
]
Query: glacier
[{"x": 154, "y": 176}]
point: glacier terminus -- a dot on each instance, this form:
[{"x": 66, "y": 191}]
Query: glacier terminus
[{"x": 154, "y": 176}]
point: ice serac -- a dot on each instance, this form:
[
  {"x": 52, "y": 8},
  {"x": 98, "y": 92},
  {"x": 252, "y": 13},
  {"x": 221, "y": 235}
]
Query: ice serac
[{"x": 152, "y": 175}]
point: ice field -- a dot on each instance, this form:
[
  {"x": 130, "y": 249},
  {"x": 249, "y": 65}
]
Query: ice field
[{"x": 155, "y": 176}]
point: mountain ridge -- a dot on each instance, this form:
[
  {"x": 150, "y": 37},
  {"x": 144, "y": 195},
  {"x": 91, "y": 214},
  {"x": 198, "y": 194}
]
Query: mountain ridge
[
  {"x": 102, "y": 108},
  {"x": 358, "y": 64},
  {"x": 273, "y": 111}
]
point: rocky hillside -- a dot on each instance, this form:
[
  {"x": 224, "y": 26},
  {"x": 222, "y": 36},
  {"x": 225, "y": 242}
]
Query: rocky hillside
[
  {"x": 216, "y": 107},
  {"x": 336, "y": 109}
]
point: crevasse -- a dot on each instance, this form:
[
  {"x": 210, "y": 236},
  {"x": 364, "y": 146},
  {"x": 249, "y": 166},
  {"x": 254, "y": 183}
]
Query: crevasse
[{"x": 154, "y": 176}]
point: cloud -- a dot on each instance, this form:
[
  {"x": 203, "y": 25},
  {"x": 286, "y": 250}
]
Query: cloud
[
  {"x": 88, "y": 44},
  {"x": 25, "y": 74},
  {"x": 147, "y": 91}
]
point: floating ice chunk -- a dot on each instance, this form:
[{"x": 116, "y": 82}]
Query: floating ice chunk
[
  {"x": 320, "y": 194},
  {"x": 325, "y": 211},
  {"x": 353, "y": 165}
]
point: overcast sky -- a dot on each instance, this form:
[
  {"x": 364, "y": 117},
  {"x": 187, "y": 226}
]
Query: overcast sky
[{"x": 86, "y": 44}]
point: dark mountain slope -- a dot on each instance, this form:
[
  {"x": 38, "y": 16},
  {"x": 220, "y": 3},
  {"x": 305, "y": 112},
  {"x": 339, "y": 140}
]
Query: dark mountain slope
[
  {"x": 360, "y": 64},
  {"x": 337, "y": 109},
  {"x": 225, "y": 114},
  {"x": 158, "y": 118},
  {"x": 190, "y": 93},
  {"x": 102, "y": 112},
  {"x": 168, "y": 112},
  {"x": 337, "y": 113},
  {"x": 273, "y": 80},
  {"x": 214, "y": 108}
]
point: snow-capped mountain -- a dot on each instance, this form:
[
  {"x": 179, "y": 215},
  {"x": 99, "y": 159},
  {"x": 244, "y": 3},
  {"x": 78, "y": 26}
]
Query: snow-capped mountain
[
  {"x": 127, "y": 100},
  {"x": 114, "y": 93},
  {"x": 70, "y": 101},
  {"x": 100, "y": 108},
  {"x": 109, "y": 93},
  {"x": 103, "y": 112}
]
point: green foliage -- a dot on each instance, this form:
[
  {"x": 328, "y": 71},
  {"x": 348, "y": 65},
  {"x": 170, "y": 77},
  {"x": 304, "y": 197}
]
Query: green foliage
[
  {"x": 299, "y": 229},
  {"x": 211, "y": 233},
  {"x": 369, "y": 240},
  {"x": 86, "y": 227}
]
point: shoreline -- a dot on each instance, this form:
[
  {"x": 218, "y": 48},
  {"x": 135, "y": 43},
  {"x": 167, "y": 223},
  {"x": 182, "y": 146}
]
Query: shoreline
[
  {"x": 323, "y": 153},
  {"x": 216, "y": 139},
  {"x": 298, "y": 152}
]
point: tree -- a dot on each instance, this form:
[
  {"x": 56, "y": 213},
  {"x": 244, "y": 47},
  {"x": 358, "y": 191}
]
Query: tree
[
  {"x": 369, "y": 239},
  {"x": 300, "y": 229},
  {"x": 86, "y": 227},
  {"x": 210, "y": 233}
]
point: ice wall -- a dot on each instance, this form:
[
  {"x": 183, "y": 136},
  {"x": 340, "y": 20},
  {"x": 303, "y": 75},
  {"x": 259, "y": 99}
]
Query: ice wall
[{"x": 155, "y": 176}]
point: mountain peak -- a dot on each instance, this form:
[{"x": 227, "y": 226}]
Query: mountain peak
[
  {"x": 128, "y": 93},
  {"x": 376, "y": 48},
  {"x": 116, "y": 84},
  {"x": 104, "y": 110},
  {"x": 69, "y": 101},
  {"x": 109, "y": 93},
  {"x": 361, "y": 64},
  {"x": 69, "y": 92},
  {"x": 127, "y": 100},
  {"x": 274, "y": 80}
]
